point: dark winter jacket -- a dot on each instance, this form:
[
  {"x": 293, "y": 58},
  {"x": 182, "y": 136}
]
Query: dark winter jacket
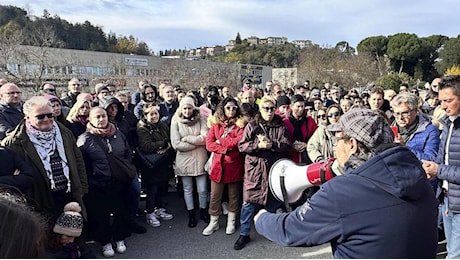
[
  {"x": 167, "y": 111},
  {"x": 153, "y": 137},
  {"x": 10, "y": 162},
  {"x": 385, "y": 208},
  {"x": 10, "y": 117},
  {"x": 40, "y": 195},
  {"x": 94, "y": 150},
  {"x": 124, "y": 120},
  {"x": 451, "y": 171},
  {"x": 258, "y": 162}
]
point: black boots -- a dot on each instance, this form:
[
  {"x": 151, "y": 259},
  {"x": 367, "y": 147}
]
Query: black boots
[
  {"x": 241, "y": 242},
  {"x": 191, "y": 218},
  {"x": 204, "y": 215}
]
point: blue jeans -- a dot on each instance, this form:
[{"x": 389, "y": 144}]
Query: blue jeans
[
  {"x": 134, "y": 194},
  {"x": 202, "y": 187},
  {"x": 247, "y": 213},
  {"x": 452, "y": 231},
  {"x": 248, "y": 209}
]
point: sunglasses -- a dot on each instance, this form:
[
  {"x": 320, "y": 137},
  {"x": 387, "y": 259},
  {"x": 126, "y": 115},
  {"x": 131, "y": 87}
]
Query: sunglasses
[
  {"x": 42, "y": 116},
  {"x": 231, "y": 108},
  {"x": 323, "y": 116},
  {"x": 269, "y": 109},
  {"x": 333, "y": 114}
]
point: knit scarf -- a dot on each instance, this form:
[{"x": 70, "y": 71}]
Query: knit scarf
[
  {"x": 45, "y": 143},
  {"x": 81, "y": 119},
  {"x": 106, "y": 132}
]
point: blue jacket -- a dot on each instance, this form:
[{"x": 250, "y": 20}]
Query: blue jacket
[
  {"x": 450, "y": 172},
  {"x": 385, "y": 208},
  {"x": 424, "y": 143}
]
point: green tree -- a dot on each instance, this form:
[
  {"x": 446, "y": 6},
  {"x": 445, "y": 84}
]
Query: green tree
[
  {"x": 449, "y": 55},
  {"x": 376, "y": 46},
  {"x": 431, "y": 46},
  {"x": 238, "y": 39},
  {"x": 404, "y": 51}
]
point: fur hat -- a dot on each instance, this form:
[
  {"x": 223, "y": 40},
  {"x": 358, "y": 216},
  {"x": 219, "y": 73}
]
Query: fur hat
[{"x": 70, "y": 222}]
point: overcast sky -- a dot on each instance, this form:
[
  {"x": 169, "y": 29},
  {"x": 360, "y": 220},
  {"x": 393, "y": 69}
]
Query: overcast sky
[{"x": 179, "y": 24}]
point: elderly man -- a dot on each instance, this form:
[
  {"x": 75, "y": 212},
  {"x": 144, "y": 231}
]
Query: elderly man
[
  {"x": 74, "y": 88},
  {"x": 52, "y": 150},
  {"x": 446, "y": 166},
  {"x": 10, "y": 108},
  {"x": 381, "y": 207}
]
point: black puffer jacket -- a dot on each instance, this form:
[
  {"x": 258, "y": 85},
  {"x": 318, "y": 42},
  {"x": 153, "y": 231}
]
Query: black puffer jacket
[{"x": 95, "y": 156}]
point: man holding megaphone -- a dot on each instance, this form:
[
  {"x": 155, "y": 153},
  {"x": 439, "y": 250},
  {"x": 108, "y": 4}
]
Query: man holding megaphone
[{"x": 381, "y": 207}]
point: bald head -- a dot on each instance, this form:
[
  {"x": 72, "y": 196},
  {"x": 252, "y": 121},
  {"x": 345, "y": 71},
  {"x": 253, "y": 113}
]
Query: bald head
[{"x": 10, "y": 94}]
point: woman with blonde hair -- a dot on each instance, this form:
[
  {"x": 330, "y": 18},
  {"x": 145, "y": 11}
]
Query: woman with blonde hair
[{"x": 78, "y": 117}]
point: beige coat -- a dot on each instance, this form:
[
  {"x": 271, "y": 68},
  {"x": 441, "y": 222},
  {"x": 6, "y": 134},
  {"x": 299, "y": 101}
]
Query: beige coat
[{"x": 188, "y": 138}]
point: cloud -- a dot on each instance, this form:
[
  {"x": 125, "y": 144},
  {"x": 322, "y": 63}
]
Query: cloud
[{"x": 175, "y": 24}]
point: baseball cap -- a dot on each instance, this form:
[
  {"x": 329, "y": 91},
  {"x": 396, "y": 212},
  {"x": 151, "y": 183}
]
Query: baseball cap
[{"x": 367, "y": 126}]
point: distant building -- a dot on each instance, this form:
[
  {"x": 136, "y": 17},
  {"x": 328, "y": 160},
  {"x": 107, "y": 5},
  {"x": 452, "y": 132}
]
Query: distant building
[{"x": 302, "y": 43}]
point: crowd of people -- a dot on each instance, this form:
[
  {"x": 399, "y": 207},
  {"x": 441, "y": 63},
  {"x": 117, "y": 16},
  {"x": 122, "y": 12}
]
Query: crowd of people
[{"x": 79, "y": 162}]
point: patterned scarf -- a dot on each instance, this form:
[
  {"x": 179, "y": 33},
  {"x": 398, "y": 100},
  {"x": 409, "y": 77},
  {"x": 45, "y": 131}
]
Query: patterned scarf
[
  {"x": 45, "y": 143},
  {"x": 106, "y": 132}
]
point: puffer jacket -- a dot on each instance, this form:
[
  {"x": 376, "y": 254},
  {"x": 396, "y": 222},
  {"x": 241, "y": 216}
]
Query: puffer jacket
[
  {"x": 227, "y": 163},
  {"x": 95, "y": 156},
  {"x": 257, "y": 162},
  {"x": 450, "y": 172},
  {"x": 188, "y": 138},
  {"x": 424, "y": 142}
]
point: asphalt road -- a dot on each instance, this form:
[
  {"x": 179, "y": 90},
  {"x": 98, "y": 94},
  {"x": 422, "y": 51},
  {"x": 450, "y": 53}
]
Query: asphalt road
[{"x": 174, "y": 239}]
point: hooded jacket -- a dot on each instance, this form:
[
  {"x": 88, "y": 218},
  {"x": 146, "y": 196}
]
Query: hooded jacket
[
  {"x": 385, "y": 208},
  {"x": 125, "y": 121}
]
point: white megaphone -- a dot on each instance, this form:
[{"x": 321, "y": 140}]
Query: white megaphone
[{"x": 288, "y": 180}]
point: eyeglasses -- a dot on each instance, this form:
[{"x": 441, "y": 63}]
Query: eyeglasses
[
  {"x": 42, "y": 116},
  {"x": 11, "y": 93},
  {"x": 309, "y": 109},
  {"x": 323, "y": 116},
  {"x": 231, "y": 108},
  {"x": 403, "y": 114},
  {"x": 336, "y": 114},
  {"x": 269, "y": 109},
  {"x": 76, "y": 85},
  {"x": 50, "y": 90}
]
